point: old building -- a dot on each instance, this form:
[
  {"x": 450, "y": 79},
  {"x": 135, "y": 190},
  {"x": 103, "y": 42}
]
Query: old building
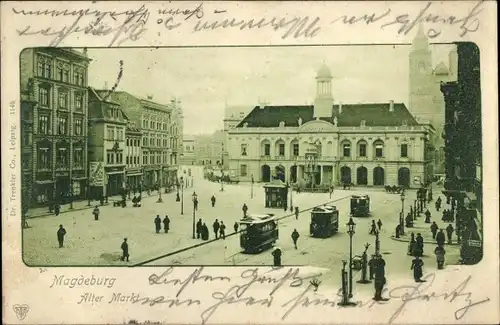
[
  {"x": 189, "y": 150},
  {"x": 133, "y": 155},
  {"x": 160, "y": 139},
  {"x": 326, "y": 143},
  {"x": 53, "y": 125},
  {"x": 426, "y": 101},
  {"x": 107, "y": 145},
  {"x": 463, "y": 145}
]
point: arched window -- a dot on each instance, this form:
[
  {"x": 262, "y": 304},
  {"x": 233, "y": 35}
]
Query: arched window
[
  {"x": 379, "y": 149},
  {"x": 346, "y": 149}
]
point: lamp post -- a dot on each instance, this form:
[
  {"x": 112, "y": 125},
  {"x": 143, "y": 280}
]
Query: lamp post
[
  {"x": 195, "y": 197},
  {"x": 401, "y": 218},
  {"x": 251, "y": 188},
  {"x": 377, "y": 243},
  {"x": 182, "y": 194},
  {"x": 159, "y": 188},
  {"x": 222, "y": 168},
  {"x": 350, "y": 230}
]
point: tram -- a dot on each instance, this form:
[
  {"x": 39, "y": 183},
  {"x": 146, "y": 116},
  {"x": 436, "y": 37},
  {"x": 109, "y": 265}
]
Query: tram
[
  {"x": 324, "y": 221},
  {"x": 258, "y": 232},
  {"x": 360, "y": 205}
]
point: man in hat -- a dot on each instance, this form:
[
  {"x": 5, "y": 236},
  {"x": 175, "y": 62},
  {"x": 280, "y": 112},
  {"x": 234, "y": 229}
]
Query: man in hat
[
  {"x": 61, "y": 232},
  {"x": 124, "y": 247}
]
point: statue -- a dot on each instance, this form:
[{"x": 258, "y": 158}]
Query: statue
[{"x": 335, "y": 121}]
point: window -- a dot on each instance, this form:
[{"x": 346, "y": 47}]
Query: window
[
  {"x": 145, "y": 141},
  {"x": 43, "y": 96},
  {"x": 127, "y": 160},
  {"x": 62, "y": 158},
  {"x": 78, "y": 126},
  {"x": 48, "y": 69},
  {"x": 79, "y": 101},
  {"x": 295, "y": 149},
  {"x": 346, "y": 150},
  {"x": 404, "y": 150},
  {"x": 65, "y": 75},
  {"x": 145, "y": 159},
  {"x": 44, "y": 67},
  {"x": 281, "y": 149},
  {"x": 379, "y": 150},
  {"x": 243, "y": 149},
  {"x": 111, "y": 133},
  {"x": 119, "y": 157},
  {"x": 78, "y": 77},
  {"x": 267, "y": 149},
  {"x": 44, "y": 158},
  {"x": 40, "y": 66},
  {"x": 62, "y": 125},
  {"x": 59, "y": 73},
  {"x": 110, "y": 157},
  {"x": 362, "y": 149},
  {"x": 78, "y": 157},
  {"x": 63, "y": 100},
  {"x": 43, "y": 124},
  {"x": 243, "y": 170}
]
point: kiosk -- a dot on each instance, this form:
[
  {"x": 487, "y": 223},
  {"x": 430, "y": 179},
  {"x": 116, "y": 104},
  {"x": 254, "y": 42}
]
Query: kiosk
[{"x": 276, "y": 194}]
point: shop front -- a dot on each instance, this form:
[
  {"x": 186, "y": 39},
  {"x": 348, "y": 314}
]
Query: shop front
[
  {"x": 43, "y": 192},
  {"x": 115, "y": 180},
  {"x": 133, "y": 179}
]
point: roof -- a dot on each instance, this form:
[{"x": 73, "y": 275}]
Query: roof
[
  {"x": 104, "y": 96},
  {"x": 375, "y": 114},
  {"x": 275, "y": 183},
  {"x": 325, "y": 208},
  {"x": 365, "y": 196},
  {"x": 324, "y": 72},
  {"x": 257, "y": 218},
  {"x": 441, "y": 69}
]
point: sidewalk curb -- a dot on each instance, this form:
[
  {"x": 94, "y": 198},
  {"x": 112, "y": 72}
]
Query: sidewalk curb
[{"x": 425, "y": 241}]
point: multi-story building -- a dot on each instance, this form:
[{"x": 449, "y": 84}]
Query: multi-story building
[
  {"x": 107, "y": 146},
  {"x": 176, "y": 131},
  {"x": 426, "y": 102},
  {"x": 53, "y": 125},
  {"x": 159, "y": 145},
  {"x": 366, "y": 144},
  {"x": 463, "y": 140},
  {"x": 133, "y": 155},
  {"x": 189, "y": 151}
]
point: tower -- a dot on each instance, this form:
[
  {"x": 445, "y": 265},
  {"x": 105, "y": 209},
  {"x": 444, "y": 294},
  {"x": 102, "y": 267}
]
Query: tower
[{"x": 323, "y": 103}]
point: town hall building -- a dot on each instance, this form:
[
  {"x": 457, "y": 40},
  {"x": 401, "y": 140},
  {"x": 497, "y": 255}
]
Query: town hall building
[{"x": 328, "y": 143}]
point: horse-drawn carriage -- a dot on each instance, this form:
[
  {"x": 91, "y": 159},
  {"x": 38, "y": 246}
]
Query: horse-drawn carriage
[{"x": 393, "y": 189}]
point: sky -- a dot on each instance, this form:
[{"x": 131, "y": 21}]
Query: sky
[{"x": 205, "y": 79}]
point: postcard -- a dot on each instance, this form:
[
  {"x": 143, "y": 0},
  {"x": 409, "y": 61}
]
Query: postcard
[{"x": 250, "y": 162}]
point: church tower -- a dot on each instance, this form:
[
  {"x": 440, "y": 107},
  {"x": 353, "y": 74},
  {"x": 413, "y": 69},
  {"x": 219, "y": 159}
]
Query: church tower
[{"x": 323, "y": 104}]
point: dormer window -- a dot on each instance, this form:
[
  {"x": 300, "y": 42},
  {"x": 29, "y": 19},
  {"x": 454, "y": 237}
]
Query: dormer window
[
  {"x": 282, "y": 124},
  {"x": 245, "y": 125},
  {"x": 405, "y": 123},
  {"x": 363, "y": 123},
  {"x": 243, "y": 149}
]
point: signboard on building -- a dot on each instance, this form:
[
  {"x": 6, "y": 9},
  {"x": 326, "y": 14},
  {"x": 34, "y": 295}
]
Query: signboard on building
[{"x": 96, "y": 173}]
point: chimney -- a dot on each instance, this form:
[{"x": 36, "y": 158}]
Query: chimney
[
  {"x": 391, "y": 106},
  {"x": 149, "y": 97},
  {"x": 340, "y": 107}
]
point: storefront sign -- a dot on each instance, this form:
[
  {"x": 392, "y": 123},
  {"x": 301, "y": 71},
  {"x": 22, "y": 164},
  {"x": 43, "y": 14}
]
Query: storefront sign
[
  {"x": 96, "y": 174},
  {"x": 474, "y": 243}
]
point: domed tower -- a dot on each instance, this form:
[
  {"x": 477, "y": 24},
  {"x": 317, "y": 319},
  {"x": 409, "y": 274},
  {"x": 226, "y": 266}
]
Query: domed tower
[{"x": 323, "y": 104}]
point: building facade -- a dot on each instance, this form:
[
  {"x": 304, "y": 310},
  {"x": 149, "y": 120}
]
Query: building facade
[
  {"x": 426, "y": 101},
  {"x": 53, "y": 125},
  {"x": 133, "y": 155},
  {"x": 325, "y": 144},
  {"x": 189, "y": 150},
  {"x": 107, "y": 145},
  {"x": 463, "y": 136},
  {"x": 159, "y": 127}
]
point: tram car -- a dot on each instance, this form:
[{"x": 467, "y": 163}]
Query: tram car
[
  {"x": 360, "y": 206},
  {"x": 258, "y": 232},
  {"x": 324, "y": 221}
]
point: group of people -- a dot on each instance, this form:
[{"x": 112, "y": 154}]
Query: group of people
[
  {"x": 375, "y": 227},
  {"x": 158, "y": 222},
  {"x": 219, "y": 229}
]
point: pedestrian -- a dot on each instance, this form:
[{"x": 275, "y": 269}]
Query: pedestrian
[
  {"x": 420, "y": 244},
  {"x": 434, "y": 229},
  {"x": 204, "y": 232},
  {"x": 331, "y": 191},
  {"x": 379, "y": 275},
  {"x": 285, "y": 206},
  {"x": 216, "y": 227},
  {"x": 96, "y": 213},
  {"x": 373, "y": 228},
  {"x": 438, "y": 204},
  {"x": 379, "y": 224},
  {"x": 57, "y": 209},
  {"x": 417, "y": 265},
  {"x": 199, "y": 228},
  {"x": 235, "y": 226},
  {"x": 277, "y": 256},
  {"x": 166, "y": 224},
  {"x": 157, "y": 224},
  {"x": 124, "y": 247},
  {"x": 222, "y": 230},
  {"x": 440, "y": 252},
  {"x": 371, "y": 266},
  {"x": 61, "y": 232},
  {"x": 244, "y": 209},
  {"x": 398, "y": 231},
  {"x": 213, "y": 200},
  {"x": 411, "y": 244},
  {"x": 449, "y": 232},
  {"x": 296, "y": 213},
  {"x": 427, "y": 216},
  {"x": 177, "y": 198},
  {"x": 295, "y": 237},
  {"x": 440, "y": 239},
  {"x": 195, "y": 203}
]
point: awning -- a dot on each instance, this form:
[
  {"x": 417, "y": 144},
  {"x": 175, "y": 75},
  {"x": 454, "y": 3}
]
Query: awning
[
  {"x": 115, "y": 172},
  {"x": 134, "y": 174},
  {"x": 79, "y": 178},
  {"x": 49, "y": 181}
]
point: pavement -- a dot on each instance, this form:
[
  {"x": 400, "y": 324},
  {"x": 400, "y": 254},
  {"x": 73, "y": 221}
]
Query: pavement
[{"x": 94, "y": 243}]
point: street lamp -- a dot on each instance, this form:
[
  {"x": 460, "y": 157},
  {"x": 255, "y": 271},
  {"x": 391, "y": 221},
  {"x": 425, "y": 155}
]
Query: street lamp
[
  {"x": 195, "y": 197},
  {"x": 159, "y": 189},
  {"x": 182, "y": 194},
  {"x": 251, "y": 188},
  {"x": 377, "y": 242},
  {"x": 401, "y": 218},
  {"x": 350, "y": 230}
]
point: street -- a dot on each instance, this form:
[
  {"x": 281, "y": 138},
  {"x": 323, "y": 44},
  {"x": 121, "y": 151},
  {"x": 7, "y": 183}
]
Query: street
[{"x": 90, "y": 242}]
